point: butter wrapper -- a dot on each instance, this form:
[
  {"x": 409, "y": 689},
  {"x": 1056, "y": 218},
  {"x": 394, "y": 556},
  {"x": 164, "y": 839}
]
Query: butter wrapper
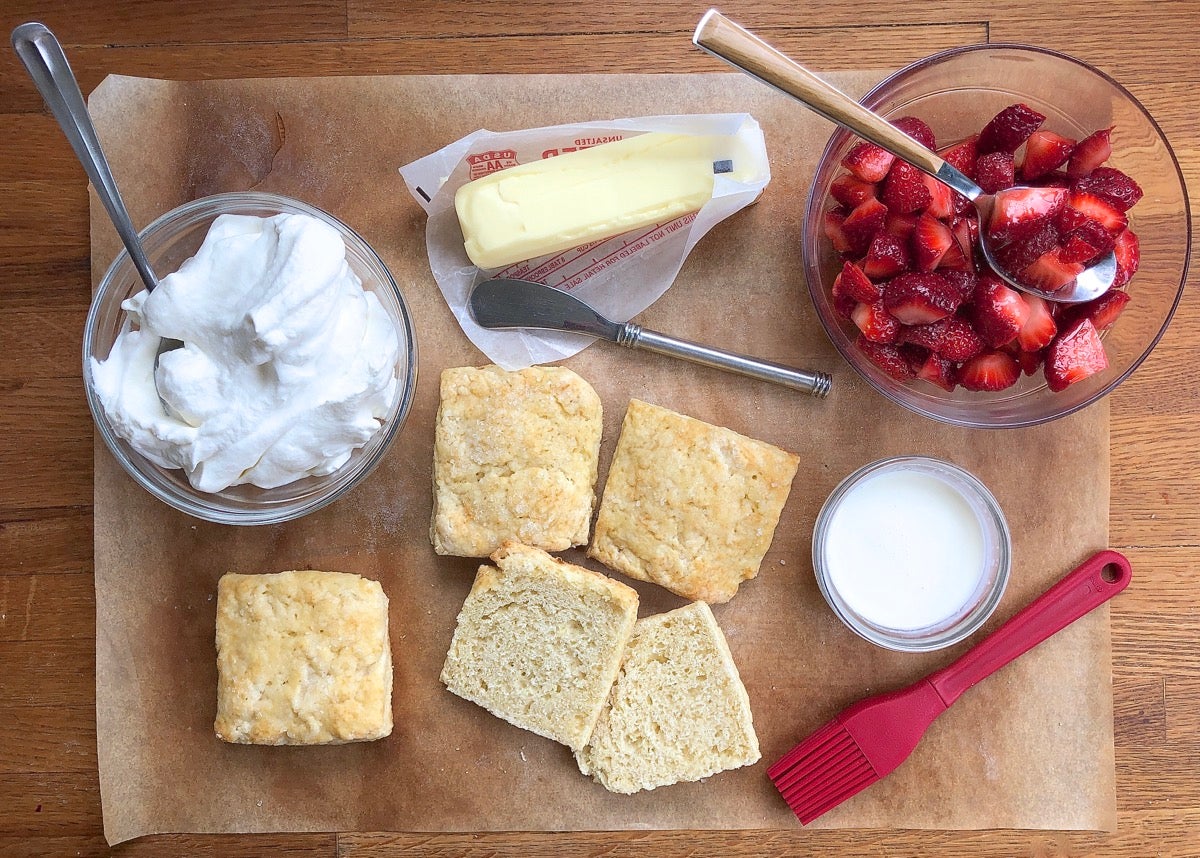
[{"x": 619, "y": 276}]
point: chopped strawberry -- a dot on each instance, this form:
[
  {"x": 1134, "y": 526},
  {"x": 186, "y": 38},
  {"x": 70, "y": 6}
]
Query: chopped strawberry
[
  {"x": 930, "y": 241},
  {"x": 1049, "y": 272},
  {"x": 1057, "y": 179},
  {"x": 1030, "y": 361},
  {"x": 853, "y": 282},
  {"x": 1085, "y": 243},
  {"x": 941, "y": 198},
  {"x": 1040, "y": 328},
  {"x": 834, "y": 226},
  {"x": 939, "y": 371},
  {"x": 955, "y": 258},
  {"x": 861, "y": 224},
  {"x": 1015, "y": 256},
  {"x": 1102, "y": 312},
  {"x": 920, "y": 298},
  {"x": 1110, "y": 184},
  {"x": 904, "y": 191},
  {"x": 887, "y": 256},
  {"x": 995, "y": 171},
  {"x": 998, "y": 312},
  {"x": 1009, "y": 129},
  {"x": 990, "y": 370},
  {"x": 1090, "y": 153},
  {"x": 1020, "y": 213},
  {"x": 1045, "y": 152},
  {"x": 900, "y": 225},
  {"x": 850, "y": 191},
  {"x": 1075, "y": 354},
  {"x": 952, "y": 338},
  {"x": 876, "y": 323},
  {"x": 886, "y": 357},
  {"x": 868, "y": 162},
  {"x": 843, "y": 304},
  {"x": 1084, "y": 206},
  {"x": 962, "y": 282},
  {"x": 917, "y": 130},
  {"x": 1129, "y": 256},
  {"x": 962, "y": 156}
]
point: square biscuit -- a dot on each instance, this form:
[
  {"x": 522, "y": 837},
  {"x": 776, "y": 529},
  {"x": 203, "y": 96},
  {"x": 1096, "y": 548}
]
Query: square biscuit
[
  {"x": 515, "y": 458},
  {"x": 538, "y": 642},
  {"x": 303, "y": 658},
  {"x": 689, "y": 506}
]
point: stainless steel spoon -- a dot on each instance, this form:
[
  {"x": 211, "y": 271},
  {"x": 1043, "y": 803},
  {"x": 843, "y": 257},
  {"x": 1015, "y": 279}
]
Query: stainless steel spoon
[
  {"x": 746, "y": 52},
  {"x": 502, "y": 303},
  {"x": 46, "y": 63}
]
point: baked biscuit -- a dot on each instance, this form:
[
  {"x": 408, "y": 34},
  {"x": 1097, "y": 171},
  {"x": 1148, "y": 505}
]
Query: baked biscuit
[
  {"x": 515, "y": 457},
  {"x": 303, "y": 658},
  {"x": 538, "y": 642},
  {"x": 689, "y": 506}
]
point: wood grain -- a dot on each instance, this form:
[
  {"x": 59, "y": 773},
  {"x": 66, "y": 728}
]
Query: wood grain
[{"x": 49, "y": 798}]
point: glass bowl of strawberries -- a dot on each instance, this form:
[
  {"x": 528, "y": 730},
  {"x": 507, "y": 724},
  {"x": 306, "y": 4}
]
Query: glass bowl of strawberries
[{"x": 892, "y": 255}]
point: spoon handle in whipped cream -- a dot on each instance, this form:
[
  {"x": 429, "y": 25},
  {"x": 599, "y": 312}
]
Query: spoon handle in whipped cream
[{"x": 46, "y": 63}]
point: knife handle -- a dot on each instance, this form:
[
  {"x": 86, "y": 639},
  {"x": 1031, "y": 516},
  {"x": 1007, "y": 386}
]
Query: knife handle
[{"x": 636, "y": 337}]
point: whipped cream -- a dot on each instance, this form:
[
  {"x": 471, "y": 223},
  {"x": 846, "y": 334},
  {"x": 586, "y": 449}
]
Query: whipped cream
[{"x": 288, "y": 364}]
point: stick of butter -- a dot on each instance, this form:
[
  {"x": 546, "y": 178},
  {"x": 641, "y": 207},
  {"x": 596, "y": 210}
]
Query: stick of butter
[{"x": 561, "y": 202}]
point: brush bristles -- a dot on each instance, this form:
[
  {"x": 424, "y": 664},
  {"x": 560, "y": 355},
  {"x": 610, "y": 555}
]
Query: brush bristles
[{"x": 821, "y": 772}]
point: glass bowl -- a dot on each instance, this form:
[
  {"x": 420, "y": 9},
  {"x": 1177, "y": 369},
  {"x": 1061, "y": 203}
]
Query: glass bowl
[
  {"x": 956, "y": 92},
  {"x": 902, "y": 587},
  {"x": 168, "y": 242}
]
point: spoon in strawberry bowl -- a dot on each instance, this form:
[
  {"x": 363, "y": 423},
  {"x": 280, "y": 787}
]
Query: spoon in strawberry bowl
[{"x": 1001, "y": 215}]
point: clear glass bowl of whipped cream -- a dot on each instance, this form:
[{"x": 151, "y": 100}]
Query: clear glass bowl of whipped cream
[{"x": 297, "y": 369}]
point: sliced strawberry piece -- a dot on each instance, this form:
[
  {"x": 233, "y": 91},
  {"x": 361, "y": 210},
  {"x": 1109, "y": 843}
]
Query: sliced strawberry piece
[
  {"x": 1075, "y": 354},
  {"x": 955, "y": 259},
  {"x": 917, "y": 130},
  {"x": 995, "y": 171},
  {"x": 886, "y": 357},
  {"x": 1129, "y": 256},
  {"x": 920, "y": 298},
  {"x": 868, "y": 162},
  {"x": 930, "y": 240},
  {"x": 900, "y": 225},
  {"x": 834, "y": 225},
  {"x": 853, "y": 282},
  {"x": 962, "y": 282},
  {"x": 843, "y": 304},
  {"x": 1110, "y": 184},
  {"x": 1102, "y": 312},
  {"x": 990, "y": 370},
  {"x": 1090, "y": 153},
  {"x": 861, "y": 224},
  {"x": 941, "y": 198},
  {"x": 904, "y": 191},
  {"x": 1040, "y": 328},
  {"x": 1057, "y": 179},
  {"x": 1045, "y": 152},
  {"x": 952, "y": 338},
  {"x": 1020, "y": 213},
  {"x": 876, "y": 323},
  {"x": 997, "y": 312},
  {"x": 887, "y": 256},
  {"x": 1049, "y": 272},
  {"x": 850, "y": 191},
  {"x": 939, "y": 371},
  {"x": 1009, "y": 129},
  {"x": 1030, "y": 361},
  {"x": 1018, "y": 255},
  {"x": 1085, "y": 243},
  {"x": 962, "y": 155},
  {"x": 1091, "y": 207}
]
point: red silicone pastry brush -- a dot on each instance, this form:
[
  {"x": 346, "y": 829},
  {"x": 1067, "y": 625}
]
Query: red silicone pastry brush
[{"x": 867, "y": 741}]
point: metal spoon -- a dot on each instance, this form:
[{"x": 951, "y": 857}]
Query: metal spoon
[
  {"x": 46, "y": 63},
  {"x": 502, "y": 303},
  {"x": 744, "y": 51}
]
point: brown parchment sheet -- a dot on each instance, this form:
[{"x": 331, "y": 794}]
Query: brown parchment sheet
[{"x": 1030, "y": 748}]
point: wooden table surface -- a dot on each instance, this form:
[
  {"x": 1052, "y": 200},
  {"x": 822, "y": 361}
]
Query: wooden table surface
[{"x": 49, "y": 793}]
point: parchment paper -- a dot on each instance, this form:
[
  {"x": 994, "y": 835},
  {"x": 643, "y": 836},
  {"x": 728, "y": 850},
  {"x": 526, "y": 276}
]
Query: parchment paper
[{"x": 1030, "y": 748}]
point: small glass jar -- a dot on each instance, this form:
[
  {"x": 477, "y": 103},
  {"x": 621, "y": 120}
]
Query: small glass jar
[{"x": 912, "y": 553}]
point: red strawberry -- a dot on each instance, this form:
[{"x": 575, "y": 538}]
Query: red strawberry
[
  {"x": 963, "y": 283},
  {"x": 1020, "y": 213},
  {"x": 995, "y": 171},
  {"x": 1049, "y": 272},
  {"x": 886, "y": 357},
  {"x": 900, "y": 225},
  {"x": 952, "y": 338},
  {"x": 904, "y": 191},
  {"x": 962, "y": 155},
  {"x": 850, "y": 191},
  {"x": 868, "y": 162},
  {"x": 1040, "y": 328},
  {"x": 861, "y": 224},
  {"x": 834, "y": 226},
  {"x": 997, "y": 311},
  {"x": 1129, "y": 256},
  {"x": 876, "y": 323},
  {"x": 1045, "y": 152},
  {"x": 937, "y": 371},
  {"x": 920, "y": 298},
  {"x": 1009, "y": 128},
  {"x": 1085, "y": 243},
  {"x": 1057, "y": 179},
  {"x": 1030, "y": 361},
  {"x": 991, "y": 370},
  {"x": 1075, "y": 354},
  {"x": 853, "y": 282},
  {"x": 917, "y": 130},
  {"x": 887, "y": 256},
  {"x": 930, "y": 240},
  {"x": 1090, "y": 154},
  {"x": 843, "y": 304},
  {"x": 1102, "y": 312},
  {"x": 1081, "y": 204},
  {"x": 941, "y": 198},
  {"x": 1111, "y": 184},
  {"x": 1018, "y": 255}
]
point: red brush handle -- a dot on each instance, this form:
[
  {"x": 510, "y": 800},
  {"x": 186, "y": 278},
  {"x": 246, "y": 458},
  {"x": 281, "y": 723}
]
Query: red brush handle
[{"x": 1094, "y": 582}]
